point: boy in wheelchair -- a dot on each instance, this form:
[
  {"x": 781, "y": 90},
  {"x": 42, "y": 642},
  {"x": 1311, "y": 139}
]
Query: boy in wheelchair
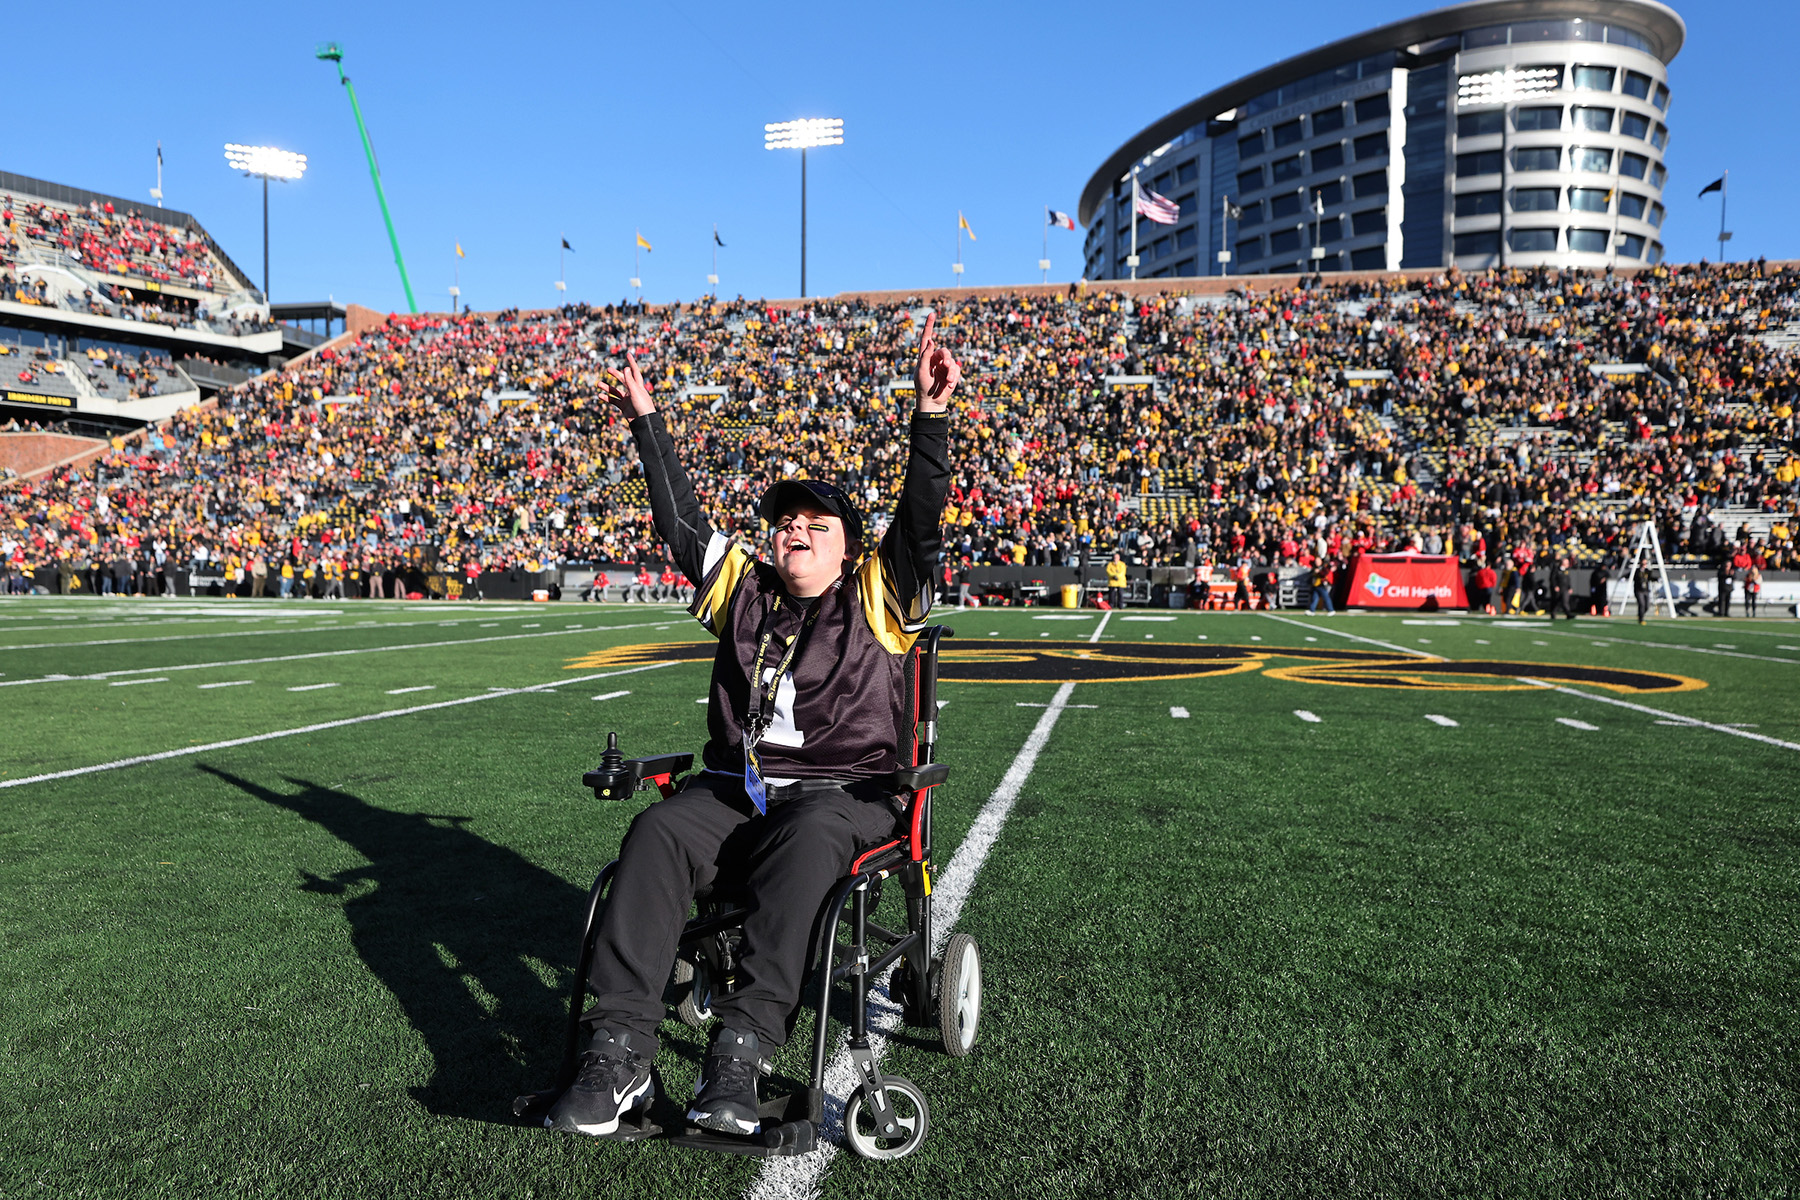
[{"x": 805, "y": 711}]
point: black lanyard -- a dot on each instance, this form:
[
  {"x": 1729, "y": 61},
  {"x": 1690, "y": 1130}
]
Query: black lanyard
[{"x": 754, "y": 724}]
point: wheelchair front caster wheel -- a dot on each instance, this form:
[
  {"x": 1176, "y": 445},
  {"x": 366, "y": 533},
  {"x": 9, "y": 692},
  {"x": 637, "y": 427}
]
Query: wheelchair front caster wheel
[
  {"x": 694, "y": 978},
  {"x": 912, "y": 1118},
  {"x": 959, "y": 995}
]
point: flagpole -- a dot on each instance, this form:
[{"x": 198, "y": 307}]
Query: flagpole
[
  {"x": 1133, "y": 260},
  {"x": 1224, "y": 236},
  {"x": 1046, "y": 242},
  {"x": 1724, "y": 191}
]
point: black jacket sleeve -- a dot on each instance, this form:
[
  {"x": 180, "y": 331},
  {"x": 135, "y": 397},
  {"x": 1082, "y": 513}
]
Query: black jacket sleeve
[
  {"x": 679, "y": 521},
  {"x": 909, "y": 551}
]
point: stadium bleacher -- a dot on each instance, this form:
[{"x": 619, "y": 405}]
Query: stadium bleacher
[
  {"x": 72, "y": 251},
  {"x": 1469, "y": 413}
]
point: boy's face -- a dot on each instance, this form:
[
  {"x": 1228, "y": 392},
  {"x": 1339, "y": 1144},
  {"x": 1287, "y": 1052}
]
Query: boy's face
[{"x": 810, "y": 549}]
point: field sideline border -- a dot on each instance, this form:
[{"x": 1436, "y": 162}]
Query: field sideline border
[
  {"x": 187, "y": 751},
  {"x": 251, "y": 662}
]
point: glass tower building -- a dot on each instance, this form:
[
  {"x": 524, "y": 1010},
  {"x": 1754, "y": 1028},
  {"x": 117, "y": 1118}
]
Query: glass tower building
[{"x": 1499, "y": 132}]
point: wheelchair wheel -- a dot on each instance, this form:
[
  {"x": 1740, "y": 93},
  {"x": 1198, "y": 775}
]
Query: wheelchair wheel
[
  {"x": 911, "y": 1113},
  {"x": 959, "y": 995},
  {"x": 694, "y": 979}
]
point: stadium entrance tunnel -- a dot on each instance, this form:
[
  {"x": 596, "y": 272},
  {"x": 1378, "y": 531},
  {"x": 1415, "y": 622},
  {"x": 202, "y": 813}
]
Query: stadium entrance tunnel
[{"x": 997, "y": 660}]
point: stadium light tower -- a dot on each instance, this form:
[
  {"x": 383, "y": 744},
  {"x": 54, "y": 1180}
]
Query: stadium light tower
[
  {"x": 801, "y": 136},
  {"x": 1505, "y": 87},
  {"x": 333, "y": 53},
  {"x": 265, "y": 163}
]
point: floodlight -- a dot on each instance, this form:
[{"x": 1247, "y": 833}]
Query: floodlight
[
  {"x": 801, "y": 135},
  {"x": 265, "y": 161},
  {"x": 1507, "y": 85}
]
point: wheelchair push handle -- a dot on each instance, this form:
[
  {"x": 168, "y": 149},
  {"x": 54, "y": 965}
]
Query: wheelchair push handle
[{"x": 618, "y": 777}]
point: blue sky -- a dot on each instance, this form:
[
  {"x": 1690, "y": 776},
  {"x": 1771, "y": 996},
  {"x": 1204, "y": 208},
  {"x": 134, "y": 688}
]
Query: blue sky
[{"x": 503, "y": 126}]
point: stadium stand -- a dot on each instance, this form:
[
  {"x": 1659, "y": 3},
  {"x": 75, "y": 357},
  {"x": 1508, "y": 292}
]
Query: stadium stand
[
  {"x": 75, "y": 250},
  {"x": 1456, "y": 414}
]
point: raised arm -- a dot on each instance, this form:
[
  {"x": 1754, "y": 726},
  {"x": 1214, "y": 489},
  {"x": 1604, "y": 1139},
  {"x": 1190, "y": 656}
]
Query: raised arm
[
  {"x": 679, "y": 520},
  {"x": 909, "y": 551}
]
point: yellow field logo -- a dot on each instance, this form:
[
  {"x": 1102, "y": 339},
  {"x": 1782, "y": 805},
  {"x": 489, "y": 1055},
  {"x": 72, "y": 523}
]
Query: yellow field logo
[{"x": 997, "y": 660}]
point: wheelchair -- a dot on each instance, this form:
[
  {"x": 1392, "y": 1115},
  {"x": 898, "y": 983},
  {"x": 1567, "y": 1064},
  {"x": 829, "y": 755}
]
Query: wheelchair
[{"x": 886, "y": 1116}]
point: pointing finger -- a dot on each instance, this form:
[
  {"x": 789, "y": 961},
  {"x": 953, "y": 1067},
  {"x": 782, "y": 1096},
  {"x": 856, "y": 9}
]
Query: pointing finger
[{"x": 930, "y": 325}]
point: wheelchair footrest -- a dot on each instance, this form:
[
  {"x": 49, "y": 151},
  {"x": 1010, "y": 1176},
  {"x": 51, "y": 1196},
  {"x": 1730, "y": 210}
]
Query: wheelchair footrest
[
  {"x": 775, "y": 1141},
  {"x": 778, "y": 1138}
]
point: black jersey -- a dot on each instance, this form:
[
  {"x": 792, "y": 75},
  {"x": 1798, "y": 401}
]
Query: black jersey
[{"x": 839, "y": 711}]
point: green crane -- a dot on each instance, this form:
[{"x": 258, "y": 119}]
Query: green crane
[{"x": 334, "y": 53}]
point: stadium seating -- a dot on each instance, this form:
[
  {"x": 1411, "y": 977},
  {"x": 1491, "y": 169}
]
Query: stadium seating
[
  {"x": 1470, "y": 413},
  {"x": 82, "y": 258}
]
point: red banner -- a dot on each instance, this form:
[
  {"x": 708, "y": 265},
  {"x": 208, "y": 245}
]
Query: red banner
[{"x": 1405, "y": 581}]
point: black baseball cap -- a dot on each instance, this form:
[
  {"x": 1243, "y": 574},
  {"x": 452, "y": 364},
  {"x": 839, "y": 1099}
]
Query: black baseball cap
[{"x": 791, "y": 493}]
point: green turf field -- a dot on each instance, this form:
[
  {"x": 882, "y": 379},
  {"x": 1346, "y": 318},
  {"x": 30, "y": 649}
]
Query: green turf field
[{"x": 1278, "y": 911}]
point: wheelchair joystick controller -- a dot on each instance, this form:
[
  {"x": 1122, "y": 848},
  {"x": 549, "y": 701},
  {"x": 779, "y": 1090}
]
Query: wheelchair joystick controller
[{"x": 613, "y": 780}]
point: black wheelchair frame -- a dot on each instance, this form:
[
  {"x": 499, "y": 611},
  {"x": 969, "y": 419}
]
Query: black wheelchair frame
[{"x": 943, "y": 994}]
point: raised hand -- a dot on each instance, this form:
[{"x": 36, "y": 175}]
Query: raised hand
[
  {"x": 938, "y": 372},
  {"x": 626, "y": 390}
]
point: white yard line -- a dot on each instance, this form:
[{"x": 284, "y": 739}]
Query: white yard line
[
  {"x": 227, "y": 683},
  {"x": 1307, "y": 715},
  {"x": 312, "y": 687},
  {"x": 186, "y": 751},
  {"x": 1438, "y": 719},
  {"x": 793, "y": 1178},
  {"x": 1657, "y": 712},
  {"x": 248, "y": 662},
  {"x": 1572, "y": 723},
  {"x": 129, "y": 682},
  {"x": 235, "y": 633},
  {"x": 1101, "y": 627},
  {"x": 1628, "y": 641},
  {"x": 423, "y": 687},
  {"x": 1355, "y": 637}
]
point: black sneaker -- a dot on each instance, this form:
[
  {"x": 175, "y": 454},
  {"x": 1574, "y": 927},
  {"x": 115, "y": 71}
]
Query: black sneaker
[
  {"x": 614, "y": 1078},
  {"x": 725, "y": 1098}
]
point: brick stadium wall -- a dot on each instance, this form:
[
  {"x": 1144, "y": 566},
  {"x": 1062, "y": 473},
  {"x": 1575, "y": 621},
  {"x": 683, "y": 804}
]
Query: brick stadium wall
[{"x": 30, "y": 453}]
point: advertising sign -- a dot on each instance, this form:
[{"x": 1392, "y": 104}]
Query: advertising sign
[{"x": 1405, "y": 581}]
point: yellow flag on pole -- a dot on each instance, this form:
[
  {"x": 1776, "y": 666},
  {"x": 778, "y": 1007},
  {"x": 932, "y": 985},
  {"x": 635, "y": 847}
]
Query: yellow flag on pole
[
  {"x": 963, "y": 222},
  {"x": 459, "y": 252},
  {"x": 646, "y": 245}
]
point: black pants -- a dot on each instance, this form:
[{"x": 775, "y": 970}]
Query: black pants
[
  {"x": 709, "y": 833},
  {"x": 1643, "y": 603}
]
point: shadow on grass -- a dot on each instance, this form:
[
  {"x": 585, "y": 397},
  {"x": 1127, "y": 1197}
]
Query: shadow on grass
[{"x": 448, "y": 922}]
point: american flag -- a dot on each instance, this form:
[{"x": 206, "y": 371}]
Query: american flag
[{"x": 1160, "y": 209}]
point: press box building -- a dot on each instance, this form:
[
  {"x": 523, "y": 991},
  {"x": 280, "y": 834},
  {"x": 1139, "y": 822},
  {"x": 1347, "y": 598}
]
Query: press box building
[{"x": 1498, "y": 132}]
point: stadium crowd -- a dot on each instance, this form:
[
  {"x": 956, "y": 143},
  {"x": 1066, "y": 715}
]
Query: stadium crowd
[
  {"x": 1462, "y": 415},
  {"x": 107, "y": 242}
]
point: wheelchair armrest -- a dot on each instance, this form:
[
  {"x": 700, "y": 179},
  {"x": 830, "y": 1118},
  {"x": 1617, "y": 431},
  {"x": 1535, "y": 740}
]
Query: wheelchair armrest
[
  {"x": 662, "y": 764},
  {"x": 914, "y": 779},
  {"x": 618, "y": 783}
]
